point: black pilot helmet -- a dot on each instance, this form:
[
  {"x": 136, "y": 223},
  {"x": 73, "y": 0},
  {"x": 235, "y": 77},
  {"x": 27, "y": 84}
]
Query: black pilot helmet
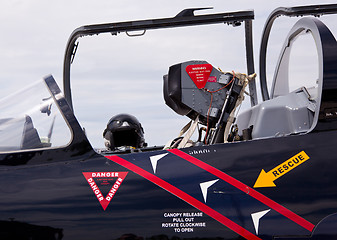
[{"x": 124, "y": 130}]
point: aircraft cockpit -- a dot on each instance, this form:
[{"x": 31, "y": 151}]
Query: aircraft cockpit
[
  {"x": 239, "y": 168},
  {"x": 208, "y": 96}
]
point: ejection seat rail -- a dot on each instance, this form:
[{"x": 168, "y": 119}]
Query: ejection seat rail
[
  {"x": 183, "y": 19},
  {"x": 314, "y": 10}
]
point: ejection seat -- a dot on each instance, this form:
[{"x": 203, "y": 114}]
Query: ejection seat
[
  {"x": 30, "y": 136},
  {"x": 18, "y": 134},
  {"x": 207, "y": 96}
]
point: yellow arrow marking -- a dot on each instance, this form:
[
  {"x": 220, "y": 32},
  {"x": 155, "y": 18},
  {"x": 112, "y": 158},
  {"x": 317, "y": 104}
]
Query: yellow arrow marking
[{"x": 266, "y": 179}]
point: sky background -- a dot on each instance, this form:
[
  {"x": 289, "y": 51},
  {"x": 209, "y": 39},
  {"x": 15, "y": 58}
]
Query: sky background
[{"x": 110, "y": 74}]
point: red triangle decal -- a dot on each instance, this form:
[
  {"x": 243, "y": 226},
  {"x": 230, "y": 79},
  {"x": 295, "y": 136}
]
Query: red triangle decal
[
  {"x": 199, "y": 73},
  {"x": 105, "y": 177}
]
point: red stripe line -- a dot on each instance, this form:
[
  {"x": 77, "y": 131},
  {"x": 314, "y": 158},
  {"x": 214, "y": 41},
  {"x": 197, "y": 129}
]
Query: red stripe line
[
  {"x": 187, "y": 198},
  {"x": 250, "y": 191}
]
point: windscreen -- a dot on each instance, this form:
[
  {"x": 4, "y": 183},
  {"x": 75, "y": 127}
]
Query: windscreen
[{"x": 29, "y": 119}]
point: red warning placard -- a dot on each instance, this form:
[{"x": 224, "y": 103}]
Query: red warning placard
[
  {"x": 199, "y": 73},
  {"x": 114, "y": 179}
]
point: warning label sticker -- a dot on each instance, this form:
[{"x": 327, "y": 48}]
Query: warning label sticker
[
  {"x": 199, "y": 74},
  {"x": 185, "y": 222},
  {"x": 211, "y": 79},
  {"x": 110, "y": 181}
]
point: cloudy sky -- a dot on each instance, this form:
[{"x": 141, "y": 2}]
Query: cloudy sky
[{"x": 113, "y": 74}]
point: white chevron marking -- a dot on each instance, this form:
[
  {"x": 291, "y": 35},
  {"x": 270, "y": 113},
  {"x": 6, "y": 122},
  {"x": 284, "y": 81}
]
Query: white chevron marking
[
  {"x": 154, "y": 160},
  {"x": 256, "y": 219},
  {"x": 204, "y": 187}
]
